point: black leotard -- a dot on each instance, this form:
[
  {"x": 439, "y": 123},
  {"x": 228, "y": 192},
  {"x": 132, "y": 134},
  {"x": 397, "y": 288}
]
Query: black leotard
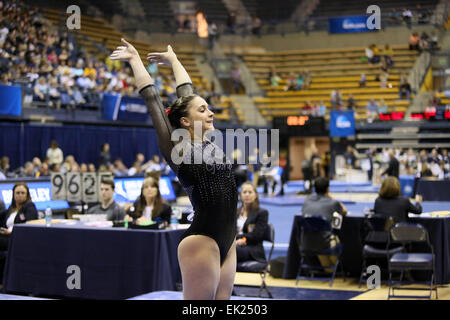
[{"x": 211, "y": 187}]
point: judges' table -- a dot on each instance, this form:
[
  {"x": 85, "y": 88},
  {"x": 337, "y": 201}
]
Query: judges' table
[
  {"x": 351, "y": 237},
  {"x": 434, "y": 190},
  {"x": 114, "y": 263}
]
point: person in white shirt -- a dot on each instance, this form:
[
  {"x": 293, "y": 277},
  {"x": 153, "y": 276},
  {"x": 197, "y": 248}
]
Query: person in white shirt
[{"x": 54, "y": 154}]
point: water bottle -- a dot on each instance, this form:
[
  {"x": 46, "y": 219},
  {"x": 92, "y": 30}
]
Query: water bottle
[
  {"x": 48, "y": 217},
  {"x": 174, "y": 219}
]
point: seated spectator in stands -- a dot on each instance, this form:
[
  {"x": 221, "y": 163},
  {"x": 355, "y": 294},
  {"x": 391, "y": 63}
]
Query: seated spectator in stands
[
  {"x": 256, "y": 25},
  {"x": 322, "y": 109},
  {"x": 91, "y": 167},
  {"x": 425, "y": 171},
  {"x": 414, "y": 41},
  {"x": 393, "y": 167},
  {"x": 306, "y": 79},
  {"x": 68, "y": 164},
  {"x": 83, "y": 168},
  {"x": 351, "y": 102},
  {"x": 236, "y": 79},
  {"x": 322, "y": 204},
  {"x": 54, "y": 94},
  {"x": 21, "y": 210},
  {"x": 54, "y": 153},
  {"x": 105, "y": 156},
  {"x": 150, "y": 205},
  {"x": 52, "y": 57},
  {"x": 350, "y": 157},
  {"x": 407, "y": 16},
  {"x": 372, "y": 110},
  {"x": 4, "y": 165},
  {"x": 373, "y": 54},
  {"x": 252, "y": 222},
  {"x": 300, "y": 81},
  {"x": 383, "y": 107},
  {"x": 424, "y": 42},
  {"x": 274, "y": 78},
  {"x": 307, "y": 108},
  {"x": 291, "y": 82},
  {"x": 390, "y": 203},
  {"x": 41, "y": 91},
  {"x": 43, "y": 171},
  {"x": 120, "y": 169},
  {"x": 108, "y": 206},
  {"x": 404, "y": 89},
  {"x": 336, "y": 99},
  {"x": 362, "y": 81},
  {"x": 388, "y": 55},
  {"x": 422, "y": 14},
  {"x": 315, "y": 109}
]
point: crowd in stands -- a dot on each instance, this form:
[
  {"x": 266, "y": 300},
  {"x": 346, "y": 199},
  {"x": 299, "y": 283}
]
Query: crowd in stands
[
  {"x": 55, "y": 72},
  {"x": 422, "y": 164}
]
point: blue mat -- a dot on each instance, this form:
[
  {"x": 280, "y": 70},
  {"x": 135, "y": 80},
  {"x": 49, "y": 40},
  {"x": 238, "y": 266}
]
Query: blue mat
[
  {"x": 14, "y": 297},
  {"x": 176, "y": 295},
  {"x": 335, "y": 186}
]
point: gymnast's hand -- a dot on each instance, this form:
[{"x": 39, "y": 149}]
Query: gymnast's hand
[
  {"x": 167, "y": 58},
  {"x": 125, "y": 53}
]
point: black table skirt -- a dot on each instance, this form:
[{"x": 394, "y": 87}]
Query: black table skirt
[
  {"x": 114, "y": 263},
  {"x": 432, "y": 190},
  {"x": 352, "y": 240}
]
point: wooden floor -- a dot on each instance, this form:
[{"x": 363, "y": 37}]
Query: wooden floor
[{"x": 349, "y": 284}]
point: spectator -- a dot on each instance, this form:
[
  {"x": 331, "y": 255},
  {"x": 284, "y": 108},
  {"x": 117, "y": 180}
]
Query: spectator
[
  {"x": 373, "y": 54},
  {"x": 150, "y": 205},
  {"x": 390, "y": 203},
  {"x": 299, "y": 81},
  {"x": 252, "y": 222},
  {"x": 322, "y": 109},
  {"x": 212, "y": 34},
  {"x": 336, "y": 99},
  {"x": 83, "y": 168},
  {"x": 407, "y": 16},
  {"x": 105, "y": 157},
  {"x": 236, "y": 79},
  {"x": 54, "y": 153},
  {"x": 404, "y": 89},
  {"x": 274, "y": 78},
  {"x": 41, "y": 91},
  {"x": 393, "y": 168},
  {"x": 322, "y": 204},
  {"x": 21, "y": 210},
  {"x": 120, "y": 169},
  {"x": 108, "y": 206},
  {"x": 414, "y": 41},
  {"x": 383, "y": 107},
  {"x": 256, "y": 26},
  {"x": 351, "y": 102},
  {"x": 350, "y": 157},
  {"x": 362, "y": 81},
  {"x": 4, "y": 165},
  {"x": 91, "y": 167},
  {"x": 372, "y": 110},
  {"x": 388, "y": 55}
]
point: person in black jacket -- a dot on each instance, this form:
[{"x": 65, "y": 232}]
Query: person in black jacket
[
  {"x": 252, "y": 222},
  {"x": 391, "y": 204},
  {"x": 21, "y": 210},
  {"x": 393, "y": 168},
  {"x": 150, "y": 205}
]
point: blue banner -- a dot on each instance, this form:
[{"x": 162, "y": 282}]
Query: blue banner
[
  {"x": 342, "y": 123},
  {"x": 11, "y": 100},
  {"x": 348, "y": 24},
  {"x": 123, "y": 108},
  {"x": 126, "y": 190},
  {"x": 40, "y": 192}
]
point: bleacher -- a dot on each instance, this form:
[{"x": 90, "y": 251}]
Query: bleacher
[
  {"x": 271, "y": 11},
  {"x": 330, "y": 69},
  {"x": 96, "y": 32}
]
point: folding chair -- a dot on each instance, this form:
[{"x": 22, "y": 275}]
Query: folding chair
[
  {"x": 375, "y": 241},
  {"x": 408, "y": 234},
  {"x": 260, "y": 267},
  {"x": 311, "y": 244}
]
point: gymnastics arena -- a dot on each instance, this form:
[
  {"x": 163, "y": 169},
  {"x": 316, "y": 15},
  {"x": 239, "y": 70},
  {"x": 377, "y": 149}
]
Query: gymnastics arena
[{"x": 339, "y": 118}]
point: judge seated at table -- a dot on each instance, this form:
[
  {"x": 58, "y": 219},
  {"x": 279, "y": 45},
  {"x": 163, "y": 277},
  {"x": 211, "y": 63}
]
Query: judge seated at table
[
  {"x": 322, "y": 204},
  {"x": 21, "y": 210},
  {"x": 108, "y": 206},
  {"x": 150, "y": 205},
  {"x": 391, "y": 203}
]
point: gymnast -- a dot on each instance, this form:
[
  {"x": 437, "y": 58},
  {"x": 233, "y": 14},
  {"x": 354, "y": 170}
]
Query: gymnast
[{"x": 207, "y": 250}]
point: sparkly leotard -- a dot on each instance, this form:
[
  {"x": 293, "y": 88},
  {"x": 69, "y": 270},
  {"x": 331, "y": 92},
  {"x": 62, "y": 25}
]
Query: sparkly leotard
[{"x": 211, "y": 187}]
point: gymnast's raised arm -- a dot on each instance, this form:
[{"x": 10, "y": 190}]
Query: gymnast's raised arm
[
  {"x": 145, "y": 85},
  {"x": 182, "y": 79}
]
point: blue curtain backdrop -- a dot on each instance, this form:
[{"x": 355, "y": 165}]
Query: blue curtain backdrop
[{"x": 22, "y": 141}]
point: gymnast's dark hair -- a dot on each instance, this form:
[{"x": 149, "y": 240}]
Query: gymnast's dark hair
[{"x": 179, "y": 109}]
